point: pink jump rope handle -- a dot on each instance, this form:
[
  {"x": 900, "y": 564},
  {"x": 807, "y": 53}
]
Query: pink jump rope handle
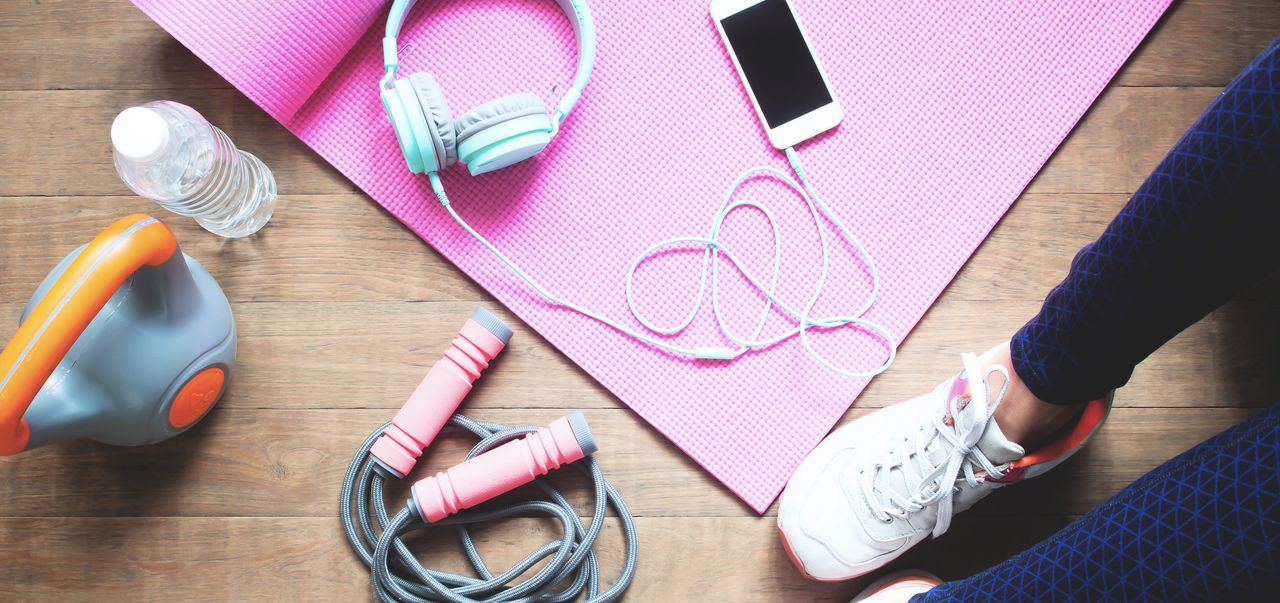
[
  {"x": 503, "y": 469},
  {"x": 440, "y": 393}
]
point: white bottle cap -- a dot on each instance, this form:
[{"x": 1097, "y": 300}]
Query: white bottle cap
[{"x": 140, "y": 134}]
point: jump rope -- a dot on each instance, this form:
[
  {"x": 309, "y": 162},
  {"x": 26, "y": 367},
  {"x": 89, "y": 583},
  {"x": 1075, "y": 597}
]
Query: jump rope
[{"x": 505, "y": 458}]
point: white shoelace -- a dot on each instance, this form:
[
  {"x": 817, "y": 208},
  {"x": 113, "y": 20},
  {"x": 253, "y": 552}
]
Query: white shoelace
[{"x": 925, "y": 483}]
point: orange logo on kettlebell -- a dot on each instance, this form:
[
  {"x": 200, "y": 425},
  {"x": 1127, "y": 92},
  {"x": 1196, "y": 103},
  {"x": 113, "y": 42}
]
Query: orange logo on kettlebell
[{"x": 195, "y": 398}]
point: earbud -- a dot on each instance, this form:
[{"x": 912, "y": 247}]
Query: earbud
[
  {"x": 479, "y": 341},
  {"x": 503, "y": 469}
]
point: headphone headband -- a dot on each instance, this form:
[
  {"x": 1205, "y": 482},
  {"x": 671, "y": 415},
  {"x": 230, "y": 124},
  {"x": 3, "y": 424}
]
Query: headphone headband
[{"x": 584, "y": 31}]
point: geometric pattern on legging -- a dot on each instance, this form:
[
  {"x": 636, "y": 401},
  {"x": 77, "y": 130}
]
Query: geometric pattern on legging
[
  {"x": 1204, "y": 526},
  {"x": 1199, "y": 230}
]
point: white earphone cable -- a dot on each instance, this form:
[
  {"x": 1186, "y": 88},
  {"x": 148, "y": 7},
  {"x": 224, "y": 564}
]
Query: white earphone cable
[{"x": 713, "y": 247}]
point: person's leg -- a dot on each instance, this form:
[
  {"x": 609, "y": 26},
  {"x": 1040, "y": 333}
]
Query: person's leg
[
  {"x": 1196, "y": 233},
  {"x": 1205, "y": 526},
  {"x": 1200, "y": 229}
]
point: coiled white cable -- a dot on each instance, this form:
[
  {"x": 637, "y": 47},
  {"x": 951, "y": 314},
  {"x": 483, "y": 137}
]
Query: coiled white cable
[{"x": 712, "y": 248}]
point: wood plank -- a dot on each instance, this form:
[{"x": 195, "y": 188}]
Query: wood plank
[
  {"x": 1111, "y": 151},
  {"x": 316, "y": 248},
  {"x": 1202, "y": 43},
  {"x": 1031, "y": 248},
  {"x": 1121, "y": 139},
  {"x": 335, "y": 355},
  {"x": 253, "y": 462},
  {"x": 320, "y": 355},
  {"x": 344, "y": 355},
  {"x": 76, "y": 45},
  {"x": 58, "y": 44},
  {"x": 65, "y": 148},
  {"x": 291, "y": 462},
  {"x": 306, "y": 559}
]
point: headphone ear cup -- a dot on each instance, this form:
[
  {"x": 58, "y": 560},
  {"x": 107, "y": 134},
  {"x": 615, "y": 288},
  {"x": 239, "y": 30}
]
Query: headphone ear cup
[
  {"x": 502, "y": 132},
  {"x": 497, "y": 111},
  {"x": 439, "y": 120},
  {"x": 409, "y": 126}
]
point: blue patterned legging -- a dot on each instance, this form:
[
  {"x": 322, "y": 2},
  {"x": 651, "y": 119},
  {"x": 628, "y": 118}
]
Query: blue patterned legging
[
  {"x": 1204, "y": 526},
  {"x": 1203, "y": 227}
]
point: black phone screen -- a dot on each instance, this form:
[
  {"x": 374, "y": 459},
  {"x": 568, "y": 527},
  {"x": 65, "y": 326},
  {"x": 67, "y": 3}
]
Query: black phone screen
[{"x": 776, "y": 61}]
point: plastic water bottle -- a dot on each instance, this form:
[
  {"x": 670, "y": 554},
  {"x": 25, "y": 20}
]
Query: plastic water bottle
[{"x": 169, "y": 153}]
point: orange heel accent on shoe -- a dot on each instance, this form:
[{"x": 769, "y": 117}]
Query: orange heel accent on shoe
[
  {"x": 791, "y": 554},
  {"x": 1094, "y": 412}
]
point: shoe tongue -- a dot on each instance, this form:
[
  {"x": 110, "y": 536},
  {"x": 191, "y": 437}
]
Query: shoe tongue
[
  {"x": 997, "y": 448},
  {"x": 993, "y": 444}
]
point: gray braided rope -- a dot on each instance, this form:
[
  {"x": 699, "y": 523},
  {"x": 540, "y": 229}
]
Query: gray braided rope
[{"x": 397, "y": 575}]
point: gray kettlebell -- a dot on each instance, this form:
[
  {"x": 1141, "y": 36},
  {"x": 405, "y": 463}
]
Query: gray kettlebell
[{"x": 128, "y": 341}]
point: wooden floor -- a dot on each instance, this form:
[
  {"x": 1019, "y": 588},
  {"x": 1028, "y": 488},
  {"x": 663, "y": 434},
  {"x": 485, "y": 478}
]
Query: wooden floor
[{"x": 341, "y": 310}]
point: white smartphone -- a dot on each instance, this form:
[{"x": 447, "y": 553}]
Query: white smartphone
[{"x": 790, "y": 92}]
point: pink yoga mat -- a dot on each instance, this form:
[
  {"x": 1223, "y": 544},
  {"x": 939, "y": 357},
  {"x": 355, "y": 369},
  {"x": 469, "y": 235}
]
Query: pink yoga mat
[{"x": 951, "y": 108}]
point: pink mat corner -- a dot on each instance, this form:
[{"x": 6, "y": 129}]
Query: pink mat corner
[{"x": 951, "y": 110}]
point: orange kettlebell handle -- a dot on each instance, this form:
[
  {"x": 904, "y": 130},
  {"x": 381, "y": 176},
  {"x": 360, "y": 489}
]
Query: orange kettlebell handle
[{"x": 62, "y": 314}]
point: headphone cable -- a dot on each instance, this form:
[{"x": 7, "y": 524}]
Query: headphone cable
[{"x": 712, "y": 248}]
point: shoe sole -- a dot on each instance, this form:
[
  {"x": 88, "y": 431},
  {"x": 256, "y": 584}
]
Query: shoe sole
[
  {"x": 891, "y": 578},
  {"x": 791, "y": 554}
]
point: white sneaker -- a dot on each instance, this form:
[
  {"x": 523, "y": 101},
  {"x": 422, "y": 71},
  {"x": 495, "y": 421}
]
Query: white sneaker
[{"x": 883, "y": 483}]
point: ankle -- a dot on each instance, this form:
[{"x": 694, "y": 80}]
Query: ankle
[{"x": 1022, "y": 416}]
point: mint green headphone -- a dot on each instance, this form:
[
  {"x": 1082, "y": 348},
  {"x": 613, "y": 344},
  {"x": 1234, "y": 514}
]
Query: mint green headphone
[{"x": 494, "y": 135}]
